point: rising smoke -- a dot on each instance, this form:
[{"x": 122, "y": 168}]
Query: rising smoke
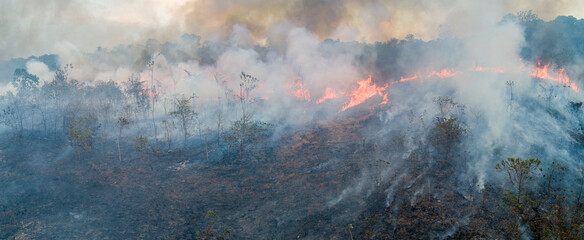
[
  {"x": 281, "y": 44},
  {"x": 34, "y": 27},
  {"x": 313, "y": 57}
]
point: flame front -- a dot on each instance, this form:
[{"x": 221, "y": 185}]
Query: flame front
[
  {"x": 444, "y": 73},
  {"x": 329, "y": 94},
  {"x": 542, "y": 72},
  {"x": 402, "y": 79},
  {"x": 366, "y": 90},
  {"x": 151, "y": 93},
  {"x": 300, "y": 92}
]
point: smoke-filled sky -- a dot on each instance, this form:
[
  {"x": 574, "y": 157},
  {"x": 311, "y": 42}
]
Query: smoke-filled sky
[{"x": 35, "y": 27}]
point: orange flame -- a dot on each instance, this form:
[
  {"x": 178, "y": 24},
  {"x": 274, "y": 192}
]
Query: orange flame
[
  {"x": 402, "y": 79},
  {"x": 366, "y": 90},
  {"x": 329, "y": 94},
  {"x": 477, "y": 68},
  {"x": 542, "y": 72},
  {"x": 300, "y": 92},
  {"x": 444, "y": 73}
]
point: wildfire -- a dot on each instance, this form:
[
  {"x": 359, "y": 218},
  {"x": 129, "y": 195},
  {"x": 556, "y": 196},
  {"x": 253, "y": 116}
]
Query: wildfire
[
  {"x": 402, "y": 79},
  {"x": 329, "y": 94},
  {"x": 300, "y": 92},
  {"x": 487, "y": 69},
  {"x": 151, "y": 93},
  {"x": 542, "y": 72},
  {"x": 366, "y": 90},
  {"x": 444, "y": 73}
]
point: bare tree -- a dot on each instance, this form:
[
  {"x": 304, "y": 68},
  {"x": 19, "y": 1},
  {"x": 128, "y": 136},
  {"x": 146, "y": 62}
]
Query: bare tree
[
  {"x": 248, "y": 83},
  {"x": 548, "y": 95},
  {"x": 10, "y": 118},
  {"x": 246, "y": 132},
  {"x": 153, "y": 92},
  {"x": 219, "y": 109},
  {"x": 510, "y": 85},
  {"x": 167, "y": 133},
  {"x": 122, "y": 123},
  {"x": 14, "y": 114}
]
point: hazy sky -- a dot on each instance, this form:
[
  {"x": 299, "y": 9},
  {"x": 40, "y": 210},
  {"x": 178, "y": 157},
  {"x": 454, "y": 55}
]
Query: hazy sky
[{"x": 35, "y": 27}]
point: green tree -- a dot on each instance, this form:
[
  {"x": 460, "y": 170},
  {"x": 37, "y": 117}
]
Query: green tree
[
  {"x": 81, "y": 128},
  {"x": 26, "y": 83},
  {"x": 527, "y": 16},
  {"x": 448, "y": 130},
  {"x": 142, "y": 144},
  {"x": 245, "y": 133},
  {"x": 446, "y": 135},
  {"x": 446, "y": 106},
  {"x": 183, "y": 111},
  {"x": 209, "y": 234},
  {"x": 61, "y": 86},
  {"x": 107, "y": 96},
  {"x": 563, "y": 218},
  {"x": 519, "y": 172},
  {"x": 135, "y": 89}
]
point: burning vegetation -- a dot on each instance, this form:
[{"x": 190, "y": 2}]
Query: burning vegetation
[{"x": 301, "y": 138}]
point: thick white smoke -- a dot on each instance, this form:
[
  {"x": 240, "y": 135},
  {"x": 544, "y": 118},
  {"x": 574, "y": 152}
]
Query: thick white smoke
[{"x": 35, "y": 27}]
